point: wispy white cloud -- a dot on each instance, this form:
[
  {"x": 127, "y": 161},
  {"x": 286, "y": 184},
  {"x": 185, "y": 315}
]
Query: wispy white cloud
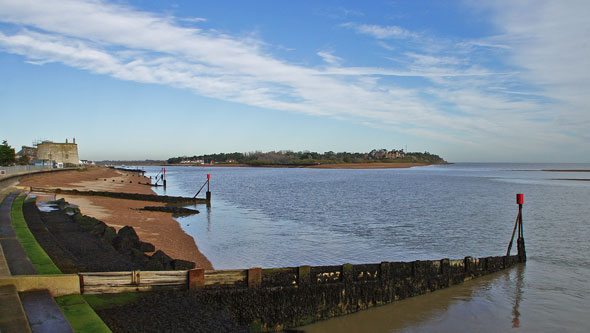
[
  {"x": 380, "y": 32},
  {"x": 460, "y": 101},
  {"x": 338, "y": 12},
  {"x": 549, "y": 44},
  {"x": 192, "y": 19},
  {"x": 330, "y": 58}
]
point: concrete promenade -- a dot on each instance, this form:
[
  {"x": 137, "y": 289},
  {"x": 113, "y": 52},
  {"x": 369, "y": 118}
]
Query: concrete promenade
[{"x": 27, "y": 311}]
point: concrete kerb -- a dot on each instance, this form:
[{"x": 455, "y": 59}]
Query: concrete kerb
[
  {"x": 12, "y": 314},
  {"x": 57, "y": 284},
  {"x": 4, "y": 270}
]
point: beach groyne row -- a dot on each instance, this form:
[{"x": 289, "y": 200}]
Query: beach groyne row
[
  {"x": 128, "y": 196},
  {"x": 277, "y": 298}
]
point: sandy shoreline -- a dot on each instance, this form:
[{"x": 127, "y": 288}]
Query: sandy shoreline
[
  {"x": 157, "y": 228},
  {"x": 369, "y": 165}
]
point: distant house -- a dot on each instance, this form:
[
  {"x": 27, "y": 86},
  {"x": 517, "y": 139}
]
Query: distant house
[
  {"x": 31, "y": 152},
  {"x": 192, "y": 162},
  {"x": 384, "y": 154}
]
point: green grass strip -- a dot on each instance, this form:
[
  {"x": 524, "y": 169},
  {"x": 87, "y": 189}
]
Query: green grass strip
[
  {"x": 107, "y": 301},
  {"x": 42, "y": 262},
  {"x": 80, "y": 315}
]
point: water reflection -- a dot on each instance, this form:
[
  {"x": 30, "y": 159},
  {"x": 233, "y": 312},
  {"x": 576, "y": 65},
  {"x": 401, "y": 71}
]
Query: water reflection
[
  {"x": 518, "y": 296},
  {"x": 472, "y": 305},
  {"x": 208, "y": 218}
]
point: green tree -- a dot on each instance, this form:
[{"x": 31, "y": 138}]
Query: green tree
[
  {"x": 7, "y": 154},
  {"x": 23, "y": 160}
]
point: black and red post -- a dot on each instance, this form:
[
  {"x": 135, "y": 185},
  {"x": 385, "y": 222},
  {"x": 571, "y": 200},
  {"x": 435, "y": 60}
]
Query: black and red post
[
  {"x": 208, "y": 194},
  {"x": 518, "y": 225},
  {"x": 520, "y": 241}
]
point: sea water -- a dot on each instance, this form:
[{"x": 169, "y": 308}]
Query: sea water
[{"x": 276, "y": 217}]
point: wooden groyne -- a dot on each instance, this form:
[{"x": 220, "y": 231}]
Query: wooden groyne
[
  {"x": 136, "y": 170},
  {"x": 277, "y": 298},
  {"x": 431, "y": 274},
  {"x": 129, "y": 196}
]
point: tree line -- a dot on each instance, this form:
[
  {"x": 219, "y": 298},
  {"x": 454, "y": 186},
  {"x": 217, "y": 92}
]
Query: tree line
[
  {"x": 287, "y": 157},
  {"x": 8, "y": 156}
]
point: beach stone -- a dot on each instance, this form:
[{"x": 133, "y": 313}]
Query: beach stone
[
  {"x": 136, "y": 255},
  {"x": 129, "y": 233},
  {"x": 146, "y": 247},
  {"x": 98, "y": 229},
  {"x": 126, "y": 239},
  {"x": 86, "y": 222},
  {"x": 72, "y": 210},
  {"x": 160, "y": 261},
  {"x": 62, "y": 204},
  {"x": 178, "y": 264},
  {"x": 109, "y": 235}
]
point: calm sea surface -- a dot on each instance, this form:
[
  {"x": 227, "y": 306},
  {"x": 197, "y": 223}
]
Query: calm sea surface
[{"x": 273, "y": 217}]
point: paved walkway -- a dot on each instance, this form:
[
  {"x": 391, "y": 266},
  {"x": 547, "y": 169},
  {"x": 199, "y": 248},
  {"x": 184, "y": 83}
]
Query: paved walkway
[
  {"x": 12, "y": 314},
  {"x": 16, "y": 257},
  {"x": 34, "y": 311}
]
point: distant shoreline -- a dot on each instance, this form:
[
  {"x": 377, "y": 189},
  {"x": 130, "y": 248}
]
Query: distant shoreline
[
  {"x": 556, "y": 170},
  {"x": 375, "y": 165}
]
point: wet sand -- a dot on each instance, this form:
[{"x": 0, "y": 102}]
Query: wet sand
[{"x": 157, "y": 228}]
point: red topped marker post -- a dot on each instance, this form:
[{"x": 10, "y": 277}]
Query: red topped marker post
[
  {"x": 518, "y": 225},
  {"x": 208, "y": 194},
  {"x": 520, "y": 240}
]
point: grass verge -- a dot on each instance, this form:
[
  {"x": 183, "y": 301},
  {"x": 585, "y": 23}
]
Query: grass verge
[
  {"x": 79, "y": 314},
  {"x": 35, "y": 252},
  {"x": 107, "y": 301}
]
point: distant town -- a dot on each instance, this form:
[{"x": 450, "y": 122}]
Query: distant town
[{"x": 287, "y": 157}]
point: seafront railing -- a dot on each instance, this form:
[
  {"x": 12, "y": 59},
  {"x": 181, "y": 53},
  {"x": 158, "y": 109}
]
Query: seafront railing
[{"x": 11, "y": 170}]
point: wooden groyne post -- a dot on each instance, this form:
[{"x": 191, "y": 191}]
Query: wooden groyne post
[
  {"x": 518, "y": 226},
  {"x": 208, "y": 193}
]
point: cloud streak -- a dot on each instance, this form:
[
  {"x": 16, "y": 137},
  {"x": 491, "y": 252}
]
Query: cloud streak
[
  {"x": 456, "y": 103},
  {"x": 380, "y": 32}
]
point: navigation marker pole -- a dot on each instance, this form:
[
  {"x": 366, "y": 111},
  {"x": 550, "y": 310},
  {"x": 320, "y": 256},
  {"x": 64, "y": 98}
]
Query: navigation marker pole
[
  {"x": 518, "y": 225},
  {"x": 208, "y": 194},
  {"x": 520, "y": 240}
]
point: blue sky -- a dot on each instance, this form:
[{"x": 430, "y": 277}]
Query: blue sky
[{"x": 468, "y": 80}]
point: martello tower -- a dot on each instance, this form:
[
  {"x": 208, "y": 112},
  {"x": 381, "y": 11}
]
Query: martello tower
[{"x": 58, "y": 152}]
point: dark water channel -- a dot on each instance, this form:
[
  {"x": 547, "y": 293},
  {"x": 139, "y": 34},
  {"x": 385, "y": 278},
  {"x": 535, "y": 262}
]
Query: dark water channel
[{"x": 274, "y": 217}]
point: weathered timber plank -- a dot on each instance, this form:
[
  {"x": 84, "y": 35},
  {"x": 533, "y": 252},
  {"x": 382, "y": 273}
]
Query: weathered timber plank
[
  {"x": 225, "y": 276},
  {"x": 457, "y": 263},
  {"x": 117, "y": 290}
]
